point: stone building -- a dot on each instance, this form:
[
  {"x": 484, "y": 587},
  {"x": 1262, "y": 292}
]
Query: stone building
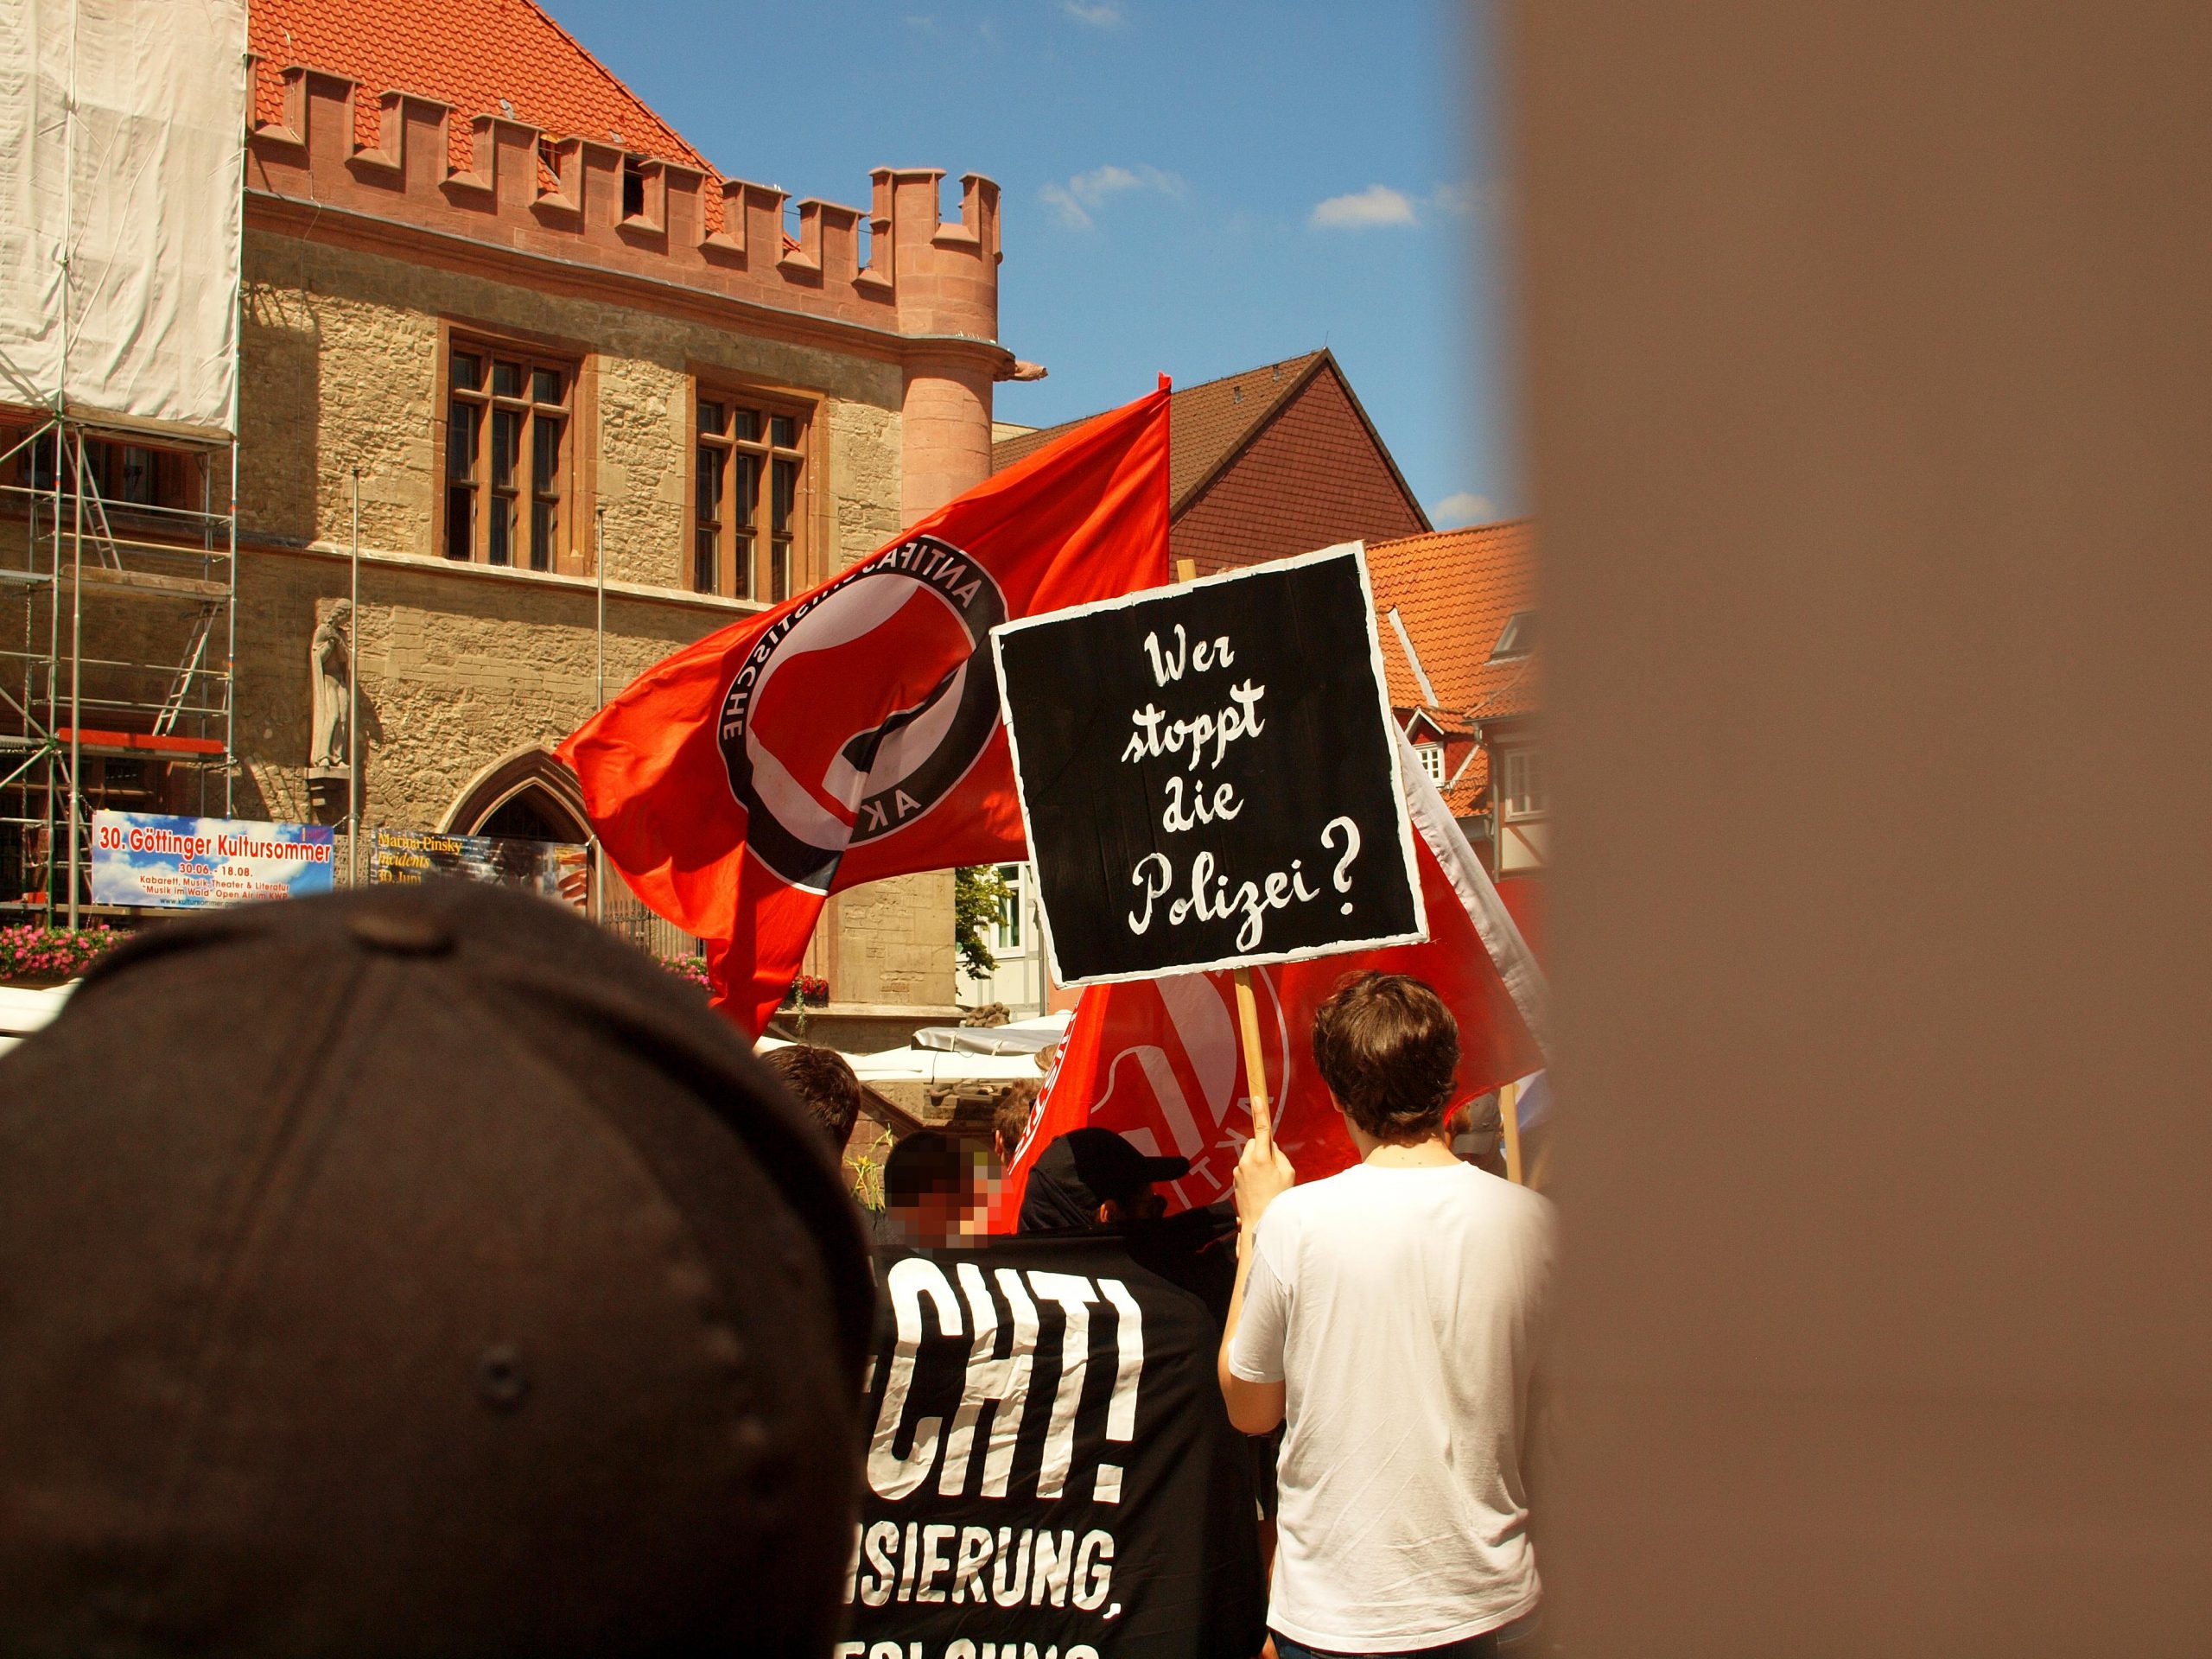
[{"x": 548, "y": 343}]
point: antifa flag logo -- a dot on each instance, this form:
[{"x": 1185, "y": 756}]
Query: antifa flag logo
[
  {"x": 811, "y": 757},
  {"x": 1171, "y": 1084}
]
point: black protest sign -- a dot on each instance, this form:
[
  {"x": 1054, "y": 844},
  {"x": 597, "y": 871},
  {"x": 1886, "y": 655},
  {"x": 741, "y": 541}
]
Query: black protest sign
[
  {"x": 1209, "y": 774},
  {"x": 1050, "y": 1467}
]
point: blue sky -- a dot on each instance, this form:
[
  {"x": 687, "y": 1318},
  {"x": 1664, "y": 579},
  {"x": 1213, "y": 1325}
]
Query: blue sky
[{"x": 1194, "y": 187}]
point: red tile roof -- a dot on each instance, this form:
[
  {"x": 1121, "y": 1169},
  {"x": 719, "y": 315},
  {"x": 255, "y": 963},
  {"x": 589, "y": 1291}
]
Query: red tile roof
[
  {"x": 469, "y": 53},
  {"x": 1313, "y": 475},
  {"x": 1455, "y": 590},
  {"x": 1275, "y": 461},
  {"x": 1207, "y": 423}
]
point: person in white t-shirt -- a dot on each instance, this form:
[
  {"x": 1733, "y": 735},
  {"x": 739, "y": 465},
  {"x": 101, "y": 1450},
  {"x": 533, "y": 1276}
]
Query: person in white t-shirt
[{"x": 1391, "y": 1318}]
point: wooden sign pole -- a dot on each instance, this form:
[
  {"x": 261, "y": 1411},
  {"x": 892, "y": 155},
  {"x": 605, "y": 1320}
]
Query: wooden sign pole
[{"x": 1255, "y": 1065}]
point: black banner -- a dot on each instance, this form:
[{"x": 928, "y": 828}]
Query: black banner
[
  {"x": 1209, "y": 774},
  {"x": 1051, "y": 1471}
]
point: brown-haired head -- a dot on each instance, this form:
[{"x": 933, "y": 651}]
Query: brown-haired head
[
  {"x": 1010, "y": 1115},
  {"x": 1389, "y": 1049},
  {"x": 823, "y": 1082}
]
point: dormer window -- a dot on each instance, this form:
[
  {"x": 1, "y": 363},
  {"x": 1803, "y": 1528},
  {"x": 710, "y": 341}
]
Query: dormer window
[
  {"x": 1518, "y": 639},
  {"x": 1432, "y": 761}
]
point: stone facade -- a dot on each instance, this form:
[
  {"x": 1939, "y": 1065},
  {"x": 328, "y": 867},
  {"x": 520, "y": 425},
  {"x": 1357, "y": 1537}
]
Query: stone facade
[
  {"x": 369, "y": 250},
  {"x": 464, "y": 667}
]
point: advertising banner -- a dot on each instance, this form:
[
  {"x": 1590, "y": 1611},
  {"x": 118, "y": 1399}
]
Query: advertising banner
[
  {"x": 145, "y": 859},
  {"x": 559, "y": 870},
  {"x": 1209, "y": 774},
  {"x": 1051, "y": 1468}
]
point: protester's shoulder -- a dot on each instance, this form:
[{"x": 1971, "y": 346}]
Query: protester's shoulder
[
  {"x": 1522, "y": 1208},
  {"x": 1302, "y": 1203}
]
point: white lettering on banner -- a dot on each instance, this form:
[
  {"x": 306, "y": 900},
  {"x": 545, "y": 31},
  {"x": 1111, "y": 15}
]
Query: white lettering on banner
[
  {"x": 1048, "y": 1572},
  {"x": 1006, "y": 1419},
  {"x": 1075, "y": 1296},
  {"x": 1004, "y": 1591},
  {"x": 998, "y": 1383},
  {"x": 1177, "y": 816},
  {"x": 1166, "y": 667},
  {"x": 1094, "y": 1571},
  {"x": 1121, "y": 1410},
  {"x": 991, "y": 1380},
  {"x": 911, "y": 1278},
  {"x": 882, "y": 1540},
  {"x": 1211, "y": 898},
  {"x": 1157, "y": 735},
  {"x": 968, "y": 1571},
  {"x": 935, "y": 1561}
]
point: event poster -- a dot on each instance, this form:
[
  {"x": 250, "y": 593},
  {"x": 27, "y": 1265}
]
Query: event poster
[
  {"x": 1049, "y": 1467},
  {"x": 1209, "y": 774},
  {"x": 150, "y": 860},
  {"x": 558, "y": 870}
]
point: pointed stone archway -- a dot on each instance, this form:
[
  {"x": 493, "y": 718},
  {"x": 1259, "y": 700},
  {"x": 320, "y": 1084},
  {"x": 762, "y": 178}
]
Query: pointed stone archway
[{"x": 531, "y": 794}]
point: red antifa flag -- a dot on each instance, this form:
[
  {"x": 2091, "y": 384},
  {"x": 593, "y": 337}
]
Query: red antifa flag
[
  {"x": 1160, "y": 1060},
  {"x": 853, "y": 733}
]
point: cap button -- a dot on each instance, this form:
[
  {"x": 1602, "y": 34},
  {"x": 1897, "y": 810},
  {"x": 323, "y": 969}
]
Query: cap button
[{"x": 400, "y": 933}]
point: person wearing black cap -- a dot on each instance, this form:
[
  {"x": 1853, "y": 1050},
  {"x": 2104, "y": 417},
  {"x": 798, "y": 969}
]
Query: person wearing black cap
[
  {"x": 1094, "y": 1178},
  {"x": 417, "y": 1271}
]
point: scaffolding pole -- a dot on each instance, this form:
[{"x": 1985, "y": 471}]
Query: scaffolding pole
[{"x": 131, "y": 673}]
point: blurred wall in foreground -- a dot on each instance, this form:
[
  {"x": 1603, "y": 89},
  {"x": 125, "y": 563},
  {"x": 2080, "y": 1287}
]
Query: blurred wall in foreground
[{"x": 1872, "y": 432}]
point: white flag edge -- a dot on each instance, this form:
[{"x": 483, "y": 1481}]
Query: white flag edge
[{"x": 1494, "y": 924}]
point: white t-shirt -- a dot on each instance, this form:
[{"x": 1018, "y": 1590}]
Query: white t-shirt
[{"x": 1403, "y": 1309}]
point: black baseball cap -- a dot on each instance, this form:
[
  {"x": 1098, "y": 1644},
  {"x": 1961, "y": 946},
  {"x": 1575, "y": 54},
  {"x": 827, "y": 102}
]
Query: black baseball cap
[
  {"x": 1081, "y": 1170},
  {"x": 417, "y": 1271}
]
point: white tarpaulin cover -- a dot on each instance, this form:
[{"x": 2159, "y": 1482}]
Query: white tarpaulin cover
[
  {"x": 24, "y": 1009},
  {"x": 122, "y": 129},
  {"x": 1020, "y": 1037}
]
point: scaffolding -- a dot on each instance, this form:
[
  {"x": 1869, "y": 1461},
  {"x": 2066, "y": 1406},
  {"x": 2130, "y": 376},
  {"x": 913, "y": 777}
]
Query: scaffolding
[
  {"x": 122, "y": 182},
  {"x": 116, "y": 679}
]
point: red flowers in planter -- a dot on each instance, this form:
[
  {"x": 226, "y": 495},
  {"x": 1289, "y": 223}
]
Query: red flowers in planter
[
  {"x": 50, "y": 955},
  {"x": 808, "y": 991}
]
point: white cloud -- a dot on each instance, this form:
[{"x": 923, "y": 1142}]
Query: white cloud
[
  {"x": 1100, "y": 14},
  {"x": 1464, "y": 508},
  {"x": 1377, "y": 205},
  {"x": 1075, "y": 199}
]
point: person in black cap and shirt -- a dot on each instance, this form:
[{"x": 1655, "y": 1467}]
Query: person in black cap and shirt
[
  {"x": 417, "y": 1271},
  {"x": 1094, "y": 1178}
]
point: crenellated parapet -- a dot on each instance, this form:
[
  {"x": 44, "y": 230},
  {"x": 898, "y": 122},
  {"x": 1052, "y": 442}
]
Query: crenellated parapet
[{"x": 514, "y": 187}]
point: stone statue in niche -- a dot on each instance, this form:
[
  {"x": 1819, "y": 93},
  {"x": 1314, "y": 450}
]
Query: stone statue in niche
[{"x": 330, "y": 670}]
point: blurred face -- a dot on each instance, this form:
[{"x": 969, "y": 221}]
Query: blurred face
[{"x": 958, "y": 1216}]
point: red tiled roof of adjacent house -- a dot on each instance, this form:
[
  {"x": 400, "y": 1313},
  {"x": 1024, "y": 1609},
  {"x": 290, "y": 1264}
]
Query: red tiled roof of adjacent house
[
  {"x": 1206, "y": 424},
  {"x": 1466, "y": 776},
  {"x": 469, "y": 53},
  {"x": 1455, "y": 590}
]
